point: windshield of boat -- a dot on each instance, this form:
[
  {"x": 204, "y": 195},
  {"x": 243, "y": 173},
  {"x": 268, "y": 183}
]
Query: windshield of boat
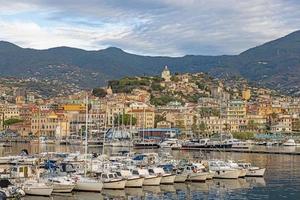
[{"x": 111, "y": 176}]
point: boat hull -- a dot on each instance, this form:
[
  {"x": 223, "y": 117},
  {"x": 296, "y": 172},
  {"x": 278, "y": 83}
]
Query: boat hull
[
  {"x": 227, "y": 174},
  {"x": 134, "y": 182},
  {"x": 197, "y": 177},
  {"x": 256, "y": 172},
  {"x": 168, "y": 179},
  {"x": 115, "y": 185},
  {"x": 180, "y": 178},
  {"x": 243, "y": 173},
  {"x": 152, "y": 181},
  {"x": 38, "y": 191},
  {"x": 63, "y": 188},
  {"x": 89, "y": 186}
]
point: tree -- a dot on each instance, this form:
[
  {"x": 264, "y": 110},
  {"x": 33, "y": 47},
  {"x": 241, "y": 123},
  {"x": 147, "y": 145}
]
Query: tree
[
  {"x": 126, "y": 119},
  {"x": 158, "y": 118},
  {"x": 251, "y": 125},
  {"x": 11, "y": 121},
  {"x": 99, "y": 92}
]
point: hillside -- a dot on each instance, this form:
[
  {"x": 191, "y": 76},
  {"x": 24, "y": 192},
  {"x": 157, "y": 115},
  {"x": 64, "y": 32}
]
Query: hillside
[{"x": 275, "y": 64}]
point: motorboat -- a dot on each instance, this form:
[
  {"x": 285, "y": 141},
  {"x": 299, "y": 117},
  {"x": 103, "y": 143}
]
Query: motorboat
[
  {"x": 237, "y": 144},
  {"x": 195, "y": 173},
  {"x": 170, "y": 143},
  {"x": 252, "y": 170},
  {"x": 87, "y": 184},
  {"x": 37, "y": 188},
  {"x": 62, "y": 184},
  {"x": 166, "y": 178},
  {"x": 235, "y": 165},
  {"x": 181, "y": 176},
  {"x": 112, "y": 181},
  {"x": 290, "y": 142},
  {"x": 223, "y": 170},
  {"x": 131, "y": 180},
  {"x": 149, "y": 179}
]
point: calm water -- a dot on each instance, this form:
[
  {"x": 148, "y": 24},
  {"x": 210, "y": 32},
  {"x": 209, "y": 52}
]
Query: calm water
[{"x": 281, "y": 181}]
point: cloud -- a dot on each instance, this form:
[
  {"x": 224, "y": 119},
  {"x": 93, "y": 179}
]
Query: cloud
[{"x": 157, "y": 27}]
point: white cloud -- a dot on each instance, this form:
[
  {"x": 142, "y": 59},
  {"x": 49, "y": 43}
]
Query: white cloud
[{"x": 158, "y": 27}]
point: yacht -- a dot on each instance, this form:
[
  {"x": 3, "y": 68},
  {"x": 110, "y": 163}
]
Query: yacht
[
  {"x": 237, "y": 144},
  {"x": 166, "y": 178},
  {"x": 252, "y": 170},
  {"x": 131, "y": 180},
  {"x": 112, "y": 181},
  {"x": 87, "y": 184},
  {"x": 149, "y": 180},
  {"x": 34, "y": 187},
  {"x": 223, "y": 170}
]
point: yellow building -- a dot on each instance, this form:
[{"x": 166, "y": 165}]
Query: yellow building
[
  {"x": 144, "y": 117},
  {"x": 73, "y": 107},
  {"x": 49, "y": 124},
  {"x": 246, "y": 94}
]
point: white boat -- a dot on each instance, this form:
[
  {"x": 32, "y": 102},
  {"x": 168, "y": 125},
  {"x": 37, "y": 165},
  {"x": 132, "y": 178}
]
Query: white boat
[
  {"x": 111, "y": 181},
  {"x": 131, "y": 180},
  {"x": 149, "y": 180},
  {"x": 170, "y": 143},
  {"x": 62, "y": 184},
  {"x": 32, "y": 187},
  {"x": 237, "y": 144},
  {"x": 235, "y": 165},
  {"x": 87, "y": 184},
  {"x": 181, "y": 177},
  {"x": 290, "y": 142},
  {"x": 10, "y": 190},
  {"x": 222, "y": 170},
  {"x": 166, "y": 178},
  {"x": 252, "y": 170},
  {"x": 195, "y": 174}
]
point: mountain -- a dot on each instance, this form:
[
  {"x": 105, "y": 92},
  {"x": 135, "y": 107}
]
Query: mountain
[{"x": 275, "y": 64}]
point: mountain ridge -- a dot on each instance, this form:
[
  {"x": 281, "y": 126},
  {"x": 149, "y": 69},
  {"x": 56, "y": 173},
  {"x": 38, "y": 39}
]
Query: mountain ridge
[{"x": 273, "y": 64}]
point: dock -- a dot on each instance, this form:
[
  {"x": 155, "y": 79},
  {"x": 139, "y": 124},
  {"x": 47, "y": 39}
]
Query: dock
[{"x": 241, "y": 151}]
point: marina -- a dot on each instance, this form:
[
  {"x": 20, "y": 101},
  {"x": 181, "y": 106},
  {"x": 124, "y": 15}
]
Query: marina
[{"x": 276, "y": 169}]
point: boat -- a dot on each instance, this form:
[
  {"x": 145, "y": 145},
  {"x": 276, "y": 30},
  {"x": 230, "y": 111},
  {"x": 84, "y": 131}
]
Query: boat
[
  {"x": 34, "y": 187},
  {"x": 112, "y": 181},
  {"x": 237, "y": 144},
  {"x": 252, "y": 170},
  {"x": 170, "y": 143},
  {"x": 223, "y": 170},
  {"x": 195, "y": 173},
  {"x": 146, "y": 145},
  {"x": 8, "y": 190},
  {"x": 166, "y": 178},
  {"x": 181, "y": 177},
  {"x": 290, "y": 142},
  {"x": 87, "y": 184},
  {"x": 61, "y": 184},
  {"x": 235, "y": 165},
  {"x": 149, "y": 180},
  {"x": 131, "y": 180}
]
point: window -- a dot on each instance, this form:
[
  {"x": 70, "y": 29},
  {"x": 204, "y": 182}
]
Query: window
[{"x": 111, "y": 175}]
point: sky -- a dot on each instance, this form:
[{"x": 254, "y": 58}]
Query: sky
[{"x": 148, "y": 27}]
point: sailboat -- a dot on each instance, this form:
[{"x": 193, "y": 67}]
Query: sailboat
[{"x": 84, "y": 183}]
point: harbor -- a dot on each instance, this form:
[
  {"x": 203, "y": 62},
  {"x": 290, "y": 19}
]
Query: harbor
[{"x": 276, "y": 169}]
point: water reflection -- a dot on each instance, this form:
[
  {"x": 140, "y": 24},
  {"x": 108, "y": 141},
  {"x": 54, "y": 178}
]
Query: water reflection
[{"x": 282, "y": 179}]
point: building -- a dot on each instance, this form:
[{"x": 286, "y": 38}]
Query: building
[
  {"x": 144, "y": 117},
  {"x": 246, "y": 94},
  {"x": 166, "y": 74},
  {"x": 235, "y": 109}
]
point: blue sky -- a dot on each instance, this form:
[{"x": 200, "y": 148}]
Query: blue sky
[{"x": 148, "y": 27}]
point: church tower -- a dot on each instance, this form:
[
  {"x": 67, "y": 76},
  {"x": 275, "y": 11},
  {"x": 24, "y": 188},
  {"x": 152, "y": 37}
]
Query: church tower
[{"x": 166, "y": 74}]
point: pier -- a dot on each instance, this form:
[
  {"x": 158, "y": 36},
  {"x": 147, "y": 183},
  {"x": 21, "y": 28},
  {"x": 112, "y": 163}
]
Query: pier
[{"x": 241, "y": 151}]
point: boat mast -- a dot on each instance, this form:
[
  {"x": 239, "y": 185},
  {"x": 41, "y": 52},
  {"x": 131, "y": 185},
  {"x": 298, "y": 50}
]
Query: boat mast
[{"x": 86, "y": 130}]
